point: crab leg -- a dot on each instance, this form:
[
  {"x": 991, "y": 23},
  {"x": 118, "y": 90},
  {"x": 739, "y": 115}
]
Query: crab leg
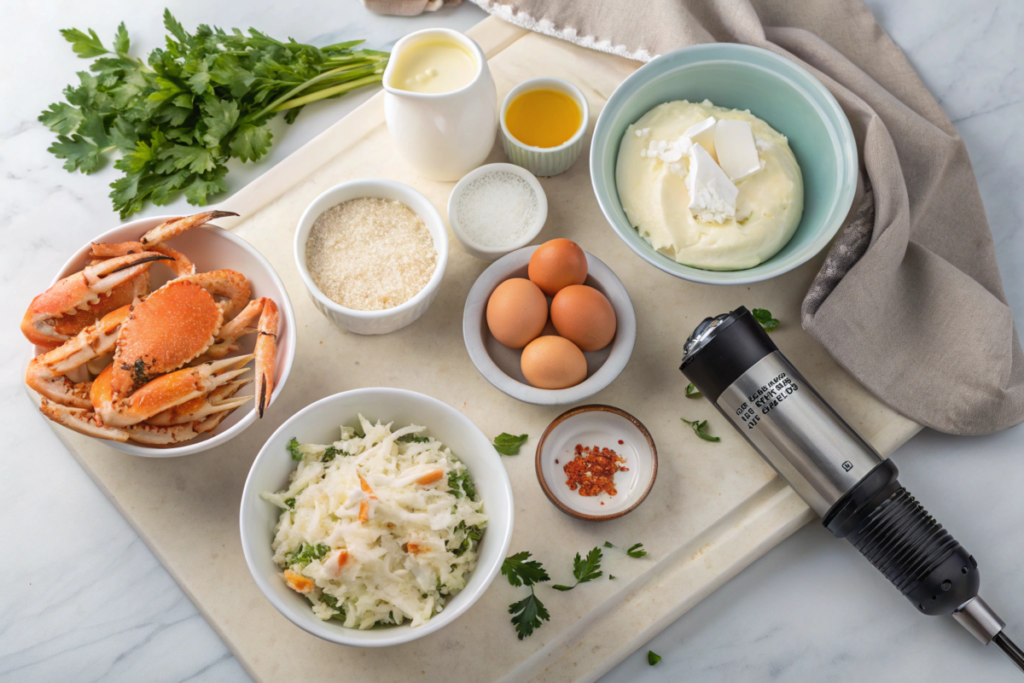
[
  {"x": 229, "y": 284},
  {"x": 46, "y": 372},
  {"x": 266, "y": 355},
  {"x": 217, "y": 401},
  {"x": 164, "y": 392},
  {"x": 81, "y": 420},
  {"x": 180, "y": 264},
  {"x": 175, "y": 226},
  {"x": 80, "y": 291}
]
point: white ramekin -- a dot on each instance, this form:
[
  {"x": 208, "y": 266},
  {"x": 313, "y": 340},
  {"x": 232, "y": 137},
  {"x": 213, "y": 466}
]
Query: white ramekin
[
  {"x": 495, "y": 253},
  {"x": 545, "y": 161},
  {"x": 389, "y": 319}
]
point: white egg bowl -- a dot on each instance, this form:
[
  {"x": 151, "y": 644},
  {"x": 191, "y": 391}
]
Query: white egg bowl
[
  {"x": 388, "y": 319},
  {"x": 500, "y": 364},
  {"x": 210, "y": 248},
  {"x": 319, "y": 423}
]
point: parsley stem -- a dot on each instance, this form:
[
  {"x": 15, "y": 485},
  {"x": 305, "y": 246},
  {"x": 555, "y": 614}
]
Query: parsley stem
[
  {"x": 279, "y": 104},
  {"x": 329, "y": 92}
]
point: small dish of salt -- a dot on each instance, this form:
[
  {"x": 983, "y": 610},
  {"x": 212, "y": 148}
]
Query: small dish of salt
[{"x": 496, "y": 209}]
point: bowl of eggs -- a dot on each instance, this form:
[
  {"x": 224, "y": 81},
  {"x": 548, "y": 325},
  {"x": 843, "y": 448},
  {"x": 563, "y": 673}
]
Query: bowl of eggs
[{"x": 549, "y": 325}]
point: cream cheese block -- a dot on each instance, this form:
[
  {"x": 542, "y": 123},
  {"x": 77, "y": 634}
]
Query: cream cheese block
[{"x": 676, "y": 191}]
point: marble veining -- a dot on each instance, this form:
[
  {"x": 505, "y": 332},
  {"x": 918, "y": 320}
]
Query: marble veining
[{"x": 84, "y": 599}]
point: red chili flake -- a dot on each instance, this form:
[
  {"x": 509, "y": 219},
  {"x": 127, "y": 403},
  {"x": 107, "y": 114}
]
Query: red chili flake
[
  {"x": 602, "y": 502},
  {"x": 621, "y": 442},
  {"x": 556, "y": 461},
  {"x": 593, "y": 470}
]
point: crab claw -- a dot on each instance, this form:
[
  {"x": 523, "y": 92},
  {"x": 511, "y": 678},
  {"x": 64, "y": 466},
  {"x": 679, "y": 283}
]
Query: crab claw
[
  {"x": 175, "y": 226},
  {"x": 81, "y": 292},
  {"x": 46, "y": 373},
  {"x": 217, "y": 401},
  {"x": 164, "y": 392},
  {"x": 266, "y": 355}
]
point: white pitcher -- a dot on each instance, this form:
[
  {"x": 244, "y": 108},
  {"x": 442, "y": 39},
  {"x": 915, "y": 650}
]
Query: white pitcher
[{"x": 443, "y": 135}]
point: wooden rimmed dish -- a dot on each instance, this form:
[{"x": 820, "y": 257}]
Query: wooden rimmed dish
[{"x": 605, "y": 427}]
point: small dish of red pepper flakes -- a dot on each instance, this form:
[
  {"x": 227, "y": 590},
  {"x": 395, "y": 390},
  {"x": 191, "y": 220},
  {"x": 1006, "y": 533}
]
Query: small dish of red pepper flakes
[{"x": 592, "y": 470}]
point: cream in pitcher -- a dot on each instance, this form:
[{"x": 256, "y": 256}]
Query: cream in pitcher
[{"x": 440, "y": 103}]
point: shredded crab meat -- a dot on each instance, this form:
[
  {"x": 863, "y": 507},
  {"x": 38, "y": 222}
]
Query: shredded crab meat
[{"x": 386, "y": 528}]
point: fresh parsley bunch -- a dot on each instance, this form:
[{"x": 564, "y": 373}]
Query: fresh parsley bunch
[{"x": 179, "y": 116}]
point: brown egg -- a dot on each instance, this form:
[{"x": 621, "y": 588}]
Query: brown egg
[
  {"x": 552, "y": 362},
  {"x": 584, "y": 316},
  {"x": 516, "y": 312},
  {"x": 557, "y": 264}
]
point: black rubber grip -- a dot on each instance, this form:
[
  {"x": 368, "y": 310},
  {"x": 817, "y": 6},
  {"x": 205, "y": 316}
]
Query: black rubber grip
[{"x": 915, "y": 553}]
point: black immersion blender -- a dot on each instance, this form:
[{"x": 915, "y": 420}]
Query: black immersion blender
[{"x": 734, "y": 364}]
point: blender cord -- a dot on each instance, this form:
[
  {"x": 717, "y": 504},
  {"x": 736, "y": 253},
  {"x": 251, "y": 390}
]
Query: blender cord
[{"x": 1015, "y": 654}]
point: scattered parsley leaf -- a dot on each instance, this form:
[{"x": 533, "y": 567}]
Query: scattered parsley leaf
[
  {"x": 764, "y": 317},
  {"x": 290, "y": 502},
  {"x": 584, "y": 570},
  {"x": 413, "y": 438},
  {"x": 331, "y": 453},
  {"x": 699, "y": 428},
  {"x": 508, "y": 444},
  {"x": 691, "y": 391},
  {"x": 636, "y": 550},
  {"x": 520, "y": 570},
  {"x": 529, "y": 612},
  {"x": 653, "y": 658},
  {"x": 293, "y": 448},
  {"x": 611, "y": 577}
]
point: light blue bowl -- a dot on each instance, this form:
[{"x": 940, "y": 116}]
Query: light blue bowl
[{"x": 785, "y": 95}]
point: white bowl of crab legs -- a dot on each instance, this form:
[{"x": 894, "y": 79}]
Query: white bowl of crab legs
[{"x": 166, "y": 336}]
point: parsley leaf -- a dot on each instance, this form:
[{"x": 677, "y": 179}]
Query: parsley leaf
[
  {"x": 293, "y": 448},
  {"x": 764, "y": 317},
  {"x": 332, "y": 453},
  {"x": 472, "y": 535},
  {"x": 691, "y": 391},
  {"x": 85, "y": 46},
  {"x": 307, "y": 553},
  {"x": 636, "y": 550},
  {"x": 653, "y": 658},
  {"x": 508, "y": 444},
  {"x": 700, "y": 429},
  {"x": 584, "y": 570},
  {"x": 199, "y": 101},
  {"x": 522, "y": 571},
  {"x": 290, "y": 502},
  {"x": 413, "y": 438},
  {"x": 529, "y": 612},
  {"x": 460, "y": 485}
]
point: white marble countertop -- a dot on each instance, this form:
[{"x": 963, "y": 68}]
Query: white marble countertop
[{"x": 83, "y": 599}]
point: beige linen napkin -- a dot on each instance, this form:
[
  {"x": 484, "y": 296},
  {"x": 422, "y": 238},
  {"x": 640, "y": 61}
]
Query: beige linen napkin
[
  {"x": 909, "y": 299},
  {"x": 408, "y": 8}
]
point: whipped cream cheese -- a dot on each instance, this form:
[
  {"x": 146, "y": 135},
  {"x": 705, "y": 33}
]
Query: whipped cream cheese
[{"x": 709, "y": 187}]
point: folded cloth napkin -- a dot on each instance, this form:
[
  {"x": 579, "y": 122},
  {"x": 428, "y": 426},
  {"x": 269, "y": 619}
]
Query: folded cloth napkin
[
  {"x": 909, "y": 299},
  {"x": 408, "y": 8}
]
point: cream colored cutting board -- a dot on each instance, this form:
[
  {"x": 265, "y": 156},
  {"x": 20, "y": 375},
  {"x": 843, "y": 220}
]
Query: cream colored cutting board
[{"x": 714, "y": 508}]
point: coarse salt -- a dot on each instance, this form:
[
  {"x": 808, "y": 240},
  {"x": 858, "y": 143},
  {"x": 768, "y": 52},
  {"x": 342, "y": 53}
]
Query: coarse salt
[
  {"x": 370, "y": 254},
  {"x": 497, "y": 209}
]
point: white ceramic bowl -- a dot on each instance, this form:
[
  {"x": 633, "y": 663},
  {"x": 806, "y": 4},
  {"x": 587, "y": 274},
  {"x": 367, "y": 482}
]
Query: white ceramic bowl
[
  {"x": 389, "y": 319},
  {"x": 210, "y": 248},
  {"x": 545, "y": 161},
  {"x": 500, "y": 364},
  {"x": 493, "y": 253},
  {"x": 319, "y": 423}
]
